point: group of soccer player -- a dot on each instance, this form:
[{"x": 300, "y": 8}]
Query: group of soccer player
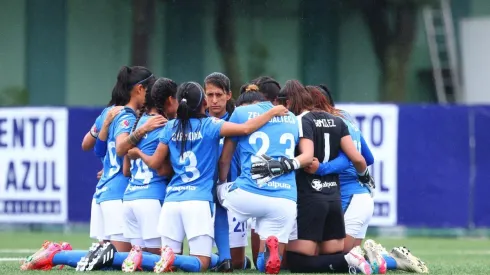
[{"x": 187, "y": 161}]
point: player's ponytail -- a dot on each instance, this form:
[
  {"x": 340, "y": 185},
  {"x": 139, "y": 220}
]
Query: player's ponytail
[
  {"x": 250, "y": 95},
  {"x": 191, "y": 97},
  {"x": 326, "y": 92},
  {"x": 162, "y": 90},
  {"x": 149, "y": 103}
]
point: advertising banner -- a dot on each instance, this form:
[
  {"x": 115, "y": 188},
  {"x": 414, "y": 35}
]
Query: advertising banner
[{"x": 33, "y": 165}]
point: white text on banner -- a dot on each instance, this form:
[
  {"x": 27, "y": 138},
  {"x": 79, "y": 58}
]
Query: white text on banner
[
  {"x": 379, "y": 126},
  {"x": 33, "y": 165}
]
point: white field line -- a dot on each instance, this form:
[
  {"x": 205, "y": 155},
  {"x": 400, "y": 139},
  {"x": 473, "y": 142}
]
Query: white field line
[
  {"x": 11, "y": 259},
  {"x": 17, "y": 251}
]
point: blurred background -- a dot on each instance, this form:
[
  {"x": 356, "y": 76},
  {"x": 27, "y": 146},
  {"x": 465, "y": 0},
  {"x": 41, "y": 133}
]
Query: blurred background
[{"x": 416, "y": 75}]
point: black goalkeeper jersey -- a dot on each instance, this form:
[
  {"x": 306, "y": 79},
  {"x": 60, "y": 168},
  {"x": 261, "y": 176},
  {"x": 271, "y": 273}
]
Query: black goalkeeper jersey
[{"x": 326, "y": 131}]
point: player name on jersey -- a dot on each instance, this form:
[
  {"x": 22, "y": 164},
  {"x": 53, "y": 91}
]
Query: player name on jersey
[
  {"x": 326, "y": 123},
  {"x": 189, "y": 136},
  {"x": 33, "y": 167},
  {"x": 277, "y": 119}
]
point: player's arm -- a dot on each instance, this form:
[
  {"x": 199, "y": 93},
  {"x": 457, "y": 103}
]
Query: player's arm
[
  {"x": 88, "y": 141},
  {"x": 366, "y": 152},
  {"x": 155, "y": 161},
  {"x": 100, "y": 148},
  {"x": 230, "y": 129},
  {"x": 126, "y": 141},
  {"x": 335, "y": 166},
  {"x": 127, "y": 167},
  {"x": 224, "y": 162},
  {"x": 166, "y": 169}
]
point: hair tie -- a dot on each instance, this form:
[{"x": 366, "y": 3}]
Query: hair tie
[{"x": 184, "y": 100}]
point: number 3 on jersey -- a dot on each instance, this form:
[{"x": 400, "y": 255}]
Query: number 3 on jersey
[
  {"x": 266, "y": 143},
  {"x": 190, "y": 157}
]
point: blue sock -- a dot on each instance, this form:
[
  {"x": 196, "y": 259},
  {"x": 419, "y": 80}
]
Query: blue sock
[
  {"x": 187, "y": 263},
  {"x": 261, "y": 262},
  {"x": 390, "y": 262},
  {"x": 221, "y": 233},
  {"x": 69, "y": 257},
  {"x": 149, "y": 260},
  {"x": 119, "y": 258},
  {"x": 214, "y": 260}
]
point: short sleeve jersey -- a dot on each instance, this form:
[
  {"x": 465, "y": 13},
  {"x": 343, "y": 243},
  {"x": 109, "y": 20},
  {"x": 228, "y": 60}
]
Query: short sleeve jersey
[
  {"x": 195, "y": 167},
  {"x": 325, "y": 131}
]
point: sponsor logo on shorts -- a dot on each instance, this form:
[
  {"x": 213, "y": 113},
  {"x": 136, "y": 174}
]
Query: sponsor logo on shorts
[
  {"x": 181, "y": 188},
  {"x": 318, "y": 185}
]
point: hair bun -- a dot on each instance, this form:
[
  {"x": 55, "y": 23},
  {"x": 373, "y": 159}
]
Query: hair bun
[{"x": 252, "y": 88}]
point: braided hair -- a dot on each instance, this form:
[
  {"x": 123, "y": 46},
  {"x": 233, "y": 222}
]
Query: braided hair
[{"x": 191, "y": 97}]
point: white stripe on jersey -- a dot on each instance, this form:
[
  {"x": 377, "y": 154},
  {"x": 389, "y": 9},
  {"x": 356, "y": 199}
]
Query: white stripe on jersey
[{"x": 300, "y": 122}]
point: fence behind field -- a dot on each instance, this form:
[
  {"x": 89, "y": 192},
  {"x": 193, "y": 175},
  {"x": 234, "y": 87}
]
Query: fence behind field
[{"x": 431, "y": 164}]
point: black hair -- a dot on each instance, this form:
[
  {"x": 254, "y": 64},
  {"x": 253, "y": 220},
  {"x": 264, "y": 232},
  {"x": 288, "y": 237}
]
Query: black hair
[
  {"x": 190, "y": 96},
  {"x": 161, "y": 91},
  {"x": 268, "y": 86},
  {"x": 127, "y": 78},
  {"x": 326, "y": 92},
  {"x": 223, "y": 82},
  {"x": 148, "y": 102},
  {"x": 250, "y": 95}
]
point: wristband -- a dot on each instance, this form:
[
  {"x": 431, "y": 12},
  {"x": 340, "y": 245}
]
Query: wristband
[
  {"x": 296, "y": 164},
  {"x": 363, "y": 173}
]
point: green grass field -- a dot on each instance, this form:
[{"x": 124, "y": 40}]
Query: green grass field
[{"x": 443, "y": 256}]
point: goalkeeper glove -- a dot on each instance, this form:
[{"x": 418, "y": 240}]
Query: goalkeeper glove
[
  {"x": 265, "y": 168},
  {"x": 366, "y": 179}
]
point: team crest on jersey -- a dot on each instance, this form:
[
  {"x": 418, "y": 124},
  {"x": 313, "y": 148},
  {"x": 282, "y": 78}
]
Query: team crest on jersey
[
  {"x": 125, "y": 123},
  {"x": 216, "y": 120}
]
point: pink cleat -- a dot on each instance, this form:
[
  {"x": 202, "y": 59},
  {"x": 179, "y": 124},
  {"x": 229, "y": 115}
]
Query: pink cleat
[
  {"x": 43, "y": 259},
  {"x": 167, "y": 258},
  {"x": 133, "y": 261}
]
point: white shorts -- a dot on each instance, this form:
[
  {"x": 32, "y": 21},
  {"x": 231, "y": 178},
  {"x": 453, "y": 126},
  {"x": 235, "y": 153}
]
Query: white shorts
[
  {"x": 186, "y": 218},
  {"x": 274, "y": 216},
  {"x": 113, "y": 219},
  {"x": 253, "y": 221},
  {"x": 238, "y": 231},
  {"x": 358, "y": 214},
  {"x": 141, "y": 221},
  {"x": 96, "y": 223}
]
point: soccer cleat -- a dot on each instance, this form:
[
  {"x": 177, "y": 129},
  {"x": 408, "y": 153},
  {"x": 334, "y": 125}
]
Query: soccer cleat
[
  {"x": 224, "y": 267},
  {"x": 28, "y": 259},
  {"x": 248, "y": 264},
  {"x": 84, "y": 261},
  {"x": 407, "y": 262},
  {"x": 65, "y": 247},
  {"x": 43, "y": 258},
  {"x": 271, "y": 256},
  {"x": 133, "y": 261},
  {"x": 98, "y": 257},
  {"x": 167, "y": 258},
  {"x": 378, "y": 263},
  {"x": 356, "y": 261}
]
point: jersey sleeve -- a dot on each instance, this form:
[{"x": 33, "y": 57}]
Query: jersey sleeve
[
  {"x": 335, "y": 166},
  {"x": 366, "y": 152},
  {"x": 306, "y": 128},
  {"x": 94, "y": 131},
  {"x": 344, "y": 129},
  {"x": 124, "y": 123},
  {"x": 235, "y": 119},
  {"x": 214, "y": 127},
  {"x": 165, "y": 135}
]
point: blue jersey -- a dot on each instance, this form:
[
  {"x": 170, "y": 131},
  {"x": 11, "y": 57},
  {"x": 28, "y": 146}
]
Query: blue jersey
[
  {"x": 99, "y": 121},
  {"x": 195, "y": 169},
  {"x": 277, "y": 138},
  {"x": 113, "y": 183},
  {"x": 349, "y": 185},
  {"x": 145, "y": 183},
  {"x": 234, "y": 171}
]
